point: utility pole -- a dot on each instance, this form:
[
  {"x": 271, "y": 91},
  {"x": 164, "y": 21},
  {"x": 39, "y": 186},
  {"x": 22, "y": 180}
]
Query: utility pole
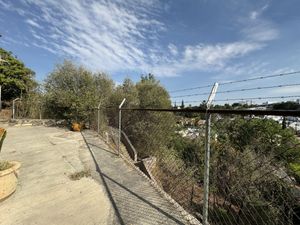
[
  {"x": 207, "y": 154},
  {"x": 120, "y": 124}
]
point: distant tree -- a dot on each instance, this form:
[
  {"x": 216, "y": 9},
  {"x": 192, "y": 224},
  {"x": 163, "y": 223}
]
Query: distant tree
[
  {"x": 148, "y": 131},
  {"x": 127, "y": 90},
  {"x": 182, "y": 104},
  {"x": 15, "y": 78},
  {"x": 72, "y": 92},
  {"x": 262, "y": 136},
  {"x": 247, "y": 158},
  {"x": 286, "y": 106},
  {"x": 236, "y": 105}
]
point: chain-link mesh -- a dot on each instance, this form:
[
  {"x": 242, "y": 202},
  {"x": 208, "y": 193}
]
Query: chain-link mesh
[
  {"x": 253, "y": 168},
  {"x": 105, "y": 122},
  {"x": 172, "y": 151},
  {"x": 254, "y": 164},
  {"x": 28, "y": 109}
]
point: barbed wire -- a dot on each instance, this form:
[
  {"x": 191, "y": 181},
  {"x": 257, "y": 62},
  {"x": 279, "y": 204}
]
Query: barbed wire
[
  {"x": 240, "y": 90},
  {"x": 193, "y": 88},
  {"x": 257, "y": 98},
  {"x": 238, "y": 81},
  {"x": 243, "y": 99}
]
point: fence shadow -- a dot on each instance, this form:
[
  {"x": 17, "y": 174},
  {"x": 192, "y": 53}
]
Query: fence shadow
[{"x": 127, "y": 204}]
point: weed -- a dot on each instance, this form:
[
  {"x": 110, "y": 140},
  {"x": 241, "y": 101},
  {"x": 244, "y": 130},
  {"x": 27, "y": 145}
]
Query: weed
[{"x": 80, "y": 174}]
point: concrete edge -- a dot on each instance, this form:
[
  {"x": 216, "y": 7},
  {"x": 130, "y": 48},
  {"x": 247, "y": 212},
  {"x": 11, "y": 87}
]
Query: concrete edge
[{"x": 186, "y": 215}]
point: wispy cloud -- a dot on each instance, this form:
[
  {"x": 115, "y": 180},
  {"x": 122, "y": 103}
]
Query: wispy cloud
[
  {"x": 205, "y": 57},
  {"x": 33, "y": 23},
  {"x": 257, "y": 28},
  {"x": 173, "y": 49},
  {"x": 261, "y": 31},
  {"x": 257, "y": 13},
  {"x": 286, "y": 90},
  {"x": 122, "y": 35}
]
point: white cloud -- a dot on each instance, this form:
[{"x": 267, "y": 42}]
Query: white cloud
[
  {"x": 122, "y": 35},
  {"x": 261, "y": 31},
  {"x": 205, "y": 58},
  {"x": 286, "y": 90},
  {"x": 33, "y": 23},
  {"x": 253, "y": 15},
  {"x": 256, "y": 13},
  {"x": 218, "y": 54},
  {"x": 103, "y": 35},
  {"x": 173, "y": 49},
  {"x": 257, "y": 28}
]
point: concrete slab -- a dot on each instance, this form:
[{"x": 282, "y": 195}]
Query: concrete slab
[
  {"x": 45, "y": 194},
  {"x": 135, "y": 200}
]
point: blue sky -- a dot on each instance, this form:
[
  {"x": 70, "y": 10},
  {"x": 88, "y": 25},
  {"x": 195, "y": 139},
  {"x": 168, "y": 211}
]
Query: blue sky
[{"x": 185, "y": 43}]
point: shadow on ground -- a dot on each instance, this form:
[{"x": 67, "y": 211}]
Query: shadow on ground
[{"x": 134, "y": 199}]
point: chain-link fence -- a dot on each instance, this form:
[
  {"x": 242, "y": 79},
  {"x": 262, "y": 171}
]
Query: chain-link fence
[
  {"x": 24, "y": 108},
  {"x": 254, "y": 171},
  {"x": 254, "y": 162}
]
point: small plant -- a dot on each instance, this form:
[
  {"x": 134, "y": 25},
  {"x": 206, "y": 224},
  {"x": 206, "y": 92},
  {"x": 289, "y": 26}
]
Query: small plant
[
  {"x": 2, "y": 136},
  {"x": 76, "y": 126},
  {"x": 4, "y": 165},
  {"x": 80, "y": 174}
]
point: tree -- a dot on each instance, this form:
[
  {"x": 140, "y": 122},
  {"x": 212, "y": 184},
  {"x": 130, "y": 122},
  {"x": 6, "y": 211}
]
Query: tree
[
  {"x": 286, "y": 106},
  {"x": 182, "y": 104},
  {"x": 15, "y": 78},
  {"x": 126, "y": 90},
  {"x": 148, "y": 131},
  {"x": 248, "y": 160},
  {"x": 73, "y": 92}
]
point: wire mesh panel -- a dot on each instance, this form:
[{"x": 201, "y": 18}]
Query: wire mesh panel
[
  {"x": 105, "y": 122},
  {"x": 254, "y": 164},
  {"x": 26, "y": 109},
  {"x": 254, "y": 171},
  {"x": 171, "y": 146}
]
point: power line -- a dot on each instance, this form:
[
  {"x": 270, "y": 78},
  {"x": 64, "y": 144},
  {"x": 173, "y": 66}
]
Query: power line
[
  {"x": 240, "y": 90},
  {"x": 238, "y": 81}
]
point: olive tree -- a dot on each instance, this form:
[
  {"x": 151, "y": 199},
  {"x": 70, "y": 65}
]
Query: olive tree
[{"x": 72, "y": 92}]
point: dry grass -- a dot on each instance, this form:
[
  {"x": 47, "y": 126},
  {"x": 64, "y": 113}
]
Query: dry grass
[{"x": 80, "y": 174}]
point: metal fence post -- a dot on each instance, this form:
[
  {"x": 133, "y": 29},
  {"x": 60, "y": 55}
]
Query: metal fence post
[
  {"x": 98, "y": 118},
  {"x": 207, "y": 155},
  {"x": 40, "y": 109},
  {"x": 13, "y": 112},
  {"x": 120, "y": 125},
  {"x": 0, "y": 97},
  {"x": 206, "y": 169}
]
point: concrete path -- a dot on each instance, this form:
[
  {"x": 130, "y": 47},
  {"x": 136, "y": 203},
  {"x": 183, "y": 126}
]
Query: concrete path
[
  {"x": 135, "y": 201},
  {"x": 45, "y": 193}
]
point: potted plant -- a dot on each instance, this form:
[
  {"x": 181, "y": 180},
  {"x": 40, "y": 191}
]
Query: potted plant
[
  {"x": 8, "y": 172},
  {"x": 76, "y": 126},
  {"x": 77, "y": 116}
]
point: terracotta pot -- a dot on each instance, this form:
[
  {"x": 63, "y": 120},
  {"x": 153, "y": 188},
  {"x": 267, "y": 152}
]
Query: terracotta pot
[
  {"x": 9, "y": 180},
  {"x": 76, "y": 126}
]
